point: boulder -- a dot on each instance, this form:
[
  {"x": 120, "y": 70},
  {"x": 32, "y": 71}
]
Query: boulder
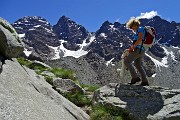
[
  {"x": 27, "y": 96},
  {"x": 67, "y": 85},
  {"x": 141, "y": 103},
  {"x": 35, "y": 56},
  {"x": 10, "y": 43}
]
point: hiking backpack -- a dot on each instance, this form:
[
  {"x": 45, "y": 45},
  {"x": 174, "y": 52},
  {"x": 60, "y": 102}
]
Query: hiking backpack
[{"x": 149, "y": 39}]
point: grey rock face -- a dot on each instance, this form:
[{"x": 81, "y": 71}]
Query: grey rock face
[
  {"x": 90, "y": 69},
  {"x": 10, "y": 43},
  {"x": 84, "y": 72},
  {"x": 27, "y": 96},
  {"x": 169, "y": 76},
  {"x": 141, "y": 103}
]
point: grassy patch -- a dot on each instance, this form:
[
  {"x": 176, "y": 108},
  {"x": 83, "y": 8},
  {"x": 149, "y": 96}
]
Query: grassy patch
[
  {"x": 39, "y": 68},
  {"x": 49, "y": 79},
  {"x": 31, "y": 65},
  {"x": 63, "y": 73},
  {"x": 77, "y": 98},
  {"x": 90, "y": 88},
  {"x": 103, "y": 112},
  {"x": 23, "y": 61}
]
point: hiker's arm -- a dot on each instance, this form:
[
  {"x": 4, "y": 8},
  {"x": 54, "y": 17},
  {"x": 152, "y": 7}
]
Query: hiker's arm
[
  {"x": 140, "y": 37},
  {"x": 139, "y": 40}
]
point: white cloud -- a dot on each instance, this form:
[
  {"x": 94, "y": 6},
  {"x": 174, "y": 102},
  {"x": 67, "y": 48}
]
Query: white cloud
[{"x": 147, "y": 15}]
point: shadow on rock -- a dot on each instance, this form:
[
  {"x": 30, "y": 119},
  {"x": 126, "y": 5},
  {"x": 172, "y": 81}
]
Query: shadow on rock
[
  {"x": 2, "y": 61},
  {"x": 140, "y": 101}
]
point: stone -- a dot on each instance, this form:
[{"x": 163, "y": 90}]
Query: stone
[
  {"x": 67, "y": 85},
  {"x": 10, "y": 43},
  {"x": 141, "y": 103}
]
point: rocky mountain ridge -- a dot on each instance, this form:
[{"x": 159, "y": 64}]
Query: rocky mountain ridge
[{"x": 110, "y": 40}]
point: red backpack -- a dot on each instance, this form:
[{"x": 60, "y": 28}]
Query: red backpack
[{"x": 149, "y": 39}]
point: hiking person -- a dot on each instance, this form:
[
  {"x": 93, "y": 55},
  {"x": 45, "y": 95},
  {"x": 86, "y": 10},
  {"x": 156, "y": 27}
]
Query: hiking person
[{"x": 136, "y": 53}]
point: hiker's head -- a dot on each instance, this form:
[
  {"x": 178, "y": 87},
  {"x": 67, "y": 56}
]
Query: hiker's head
[{"x": 133, "y": 23}]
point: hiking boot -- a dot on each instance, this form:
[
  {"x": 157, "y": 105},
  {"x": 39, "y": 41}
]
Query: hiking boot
[
  {"x": 144, "y": 83},
  {"x": 134, "y": 80}
]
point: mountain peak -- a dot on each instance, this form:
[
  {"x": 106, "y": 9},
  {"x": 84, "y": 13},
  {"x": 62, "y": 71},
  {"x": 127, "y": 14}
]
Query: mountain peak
[
  {"x": 28, "y": 18},
  {"x": 107, "y": 23},
  {"x": 64, "y": 20},
  {"x": 157, "y": 17}
]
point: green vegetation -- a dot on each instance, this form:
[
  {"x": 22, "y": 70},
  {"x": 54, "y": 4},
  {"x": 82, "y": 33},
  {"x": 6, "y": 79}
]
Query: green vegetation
[
  {"x": 80, "y": 99},
  {"x": 77, "y": 98},
  {"x": 105, "y": 112},
  {"x": 90, "y": 88},
  {"x": 23, "y": 61},
  {"x": 39, "y": 68},
  {"x": 63, "y": 73},
  {"x": 49, "y": 79},
  {"x": 7, "y": 27}
]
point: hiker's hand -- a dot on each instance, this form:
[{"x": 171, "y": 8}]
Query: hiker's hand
[{"x": 131, "y": 49}]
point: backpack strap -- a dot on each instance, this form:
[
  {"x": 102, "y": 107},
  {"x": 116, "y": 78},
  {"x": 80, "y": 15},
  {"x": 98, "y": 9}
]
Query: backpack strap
[{"x": 143, "y": 40}]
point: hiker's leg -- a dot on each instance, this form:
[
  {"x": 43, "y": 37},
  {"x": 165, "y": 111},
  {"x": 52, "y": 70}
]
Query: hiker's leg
[
  {"x": 139, "y": 65},
  {"x": 128, "y": 62}
]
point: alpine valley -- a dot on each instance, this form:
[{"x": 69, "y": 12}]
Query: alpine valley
[{"x": 95, "y": 56}]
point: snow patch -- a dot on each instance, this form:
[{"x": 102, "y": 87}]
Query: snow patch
[
  {"x": 75, "y": 54},
  {"x": 37, "y": 26},
  {"x": 157, "y": 63},
  {"x": 154, "y": 75},
  {"x": 31, "y": 29},
  {"x": 167, "y": 54},
  {"x": 66, "y": 52},
  {"x": 112, "y": 27},
  {"x": 22, "y": 35},
  {"x": 27, "y": 52},
  {"x": 57, "y": 51},
  {"x": 103, "y": 35},
  {"x": 121, "y": 44},
  {"x": 109, "y": 62}
]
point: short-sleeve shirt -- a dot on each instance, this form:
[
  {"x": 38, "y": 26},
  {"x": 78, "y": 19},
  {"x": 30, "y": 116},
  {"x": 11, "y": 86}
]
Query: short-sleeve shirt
[{"x": 140, "y": 29}]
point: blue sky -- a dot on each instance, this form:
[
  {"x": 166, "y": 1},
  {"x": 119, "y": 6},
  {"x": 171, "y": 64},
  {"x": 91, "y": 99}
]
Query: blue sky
[{"x": 89, "y": 13}]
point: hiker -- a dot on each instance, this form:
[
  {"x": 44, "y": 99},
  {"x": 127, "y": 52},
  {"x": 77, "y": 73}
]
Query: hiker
[{"x": 136, "y": 53}]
